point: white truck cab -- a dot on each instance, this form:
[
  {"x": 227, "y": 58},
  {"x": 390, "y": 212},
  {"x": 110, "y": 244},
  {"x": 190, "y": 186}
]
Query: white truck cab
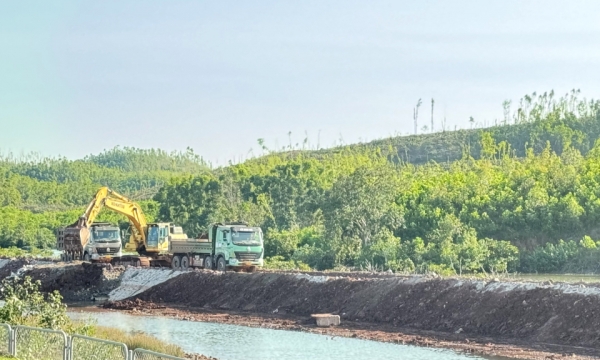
[{"x": 105, "y": 240}]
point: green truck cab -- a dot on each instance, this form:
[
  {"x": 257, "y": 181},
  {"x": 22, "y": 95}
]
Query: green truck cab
[{"x": 236, "y": 246}]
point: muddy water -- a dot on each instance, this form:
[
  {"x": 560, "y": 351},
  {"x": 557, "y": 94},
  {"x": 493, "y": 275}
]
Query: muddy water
[{"x": 231, "y": 342}]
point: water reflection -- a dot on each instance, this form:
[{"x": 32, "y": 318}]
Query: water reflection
[{"x": 231, "y": 342}]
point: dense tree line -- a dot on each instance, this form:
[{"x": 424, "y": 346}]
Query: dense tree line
[
  {"x": 363, "y": 206},
  {"x": 38, "y": 195},
  {"x": 522, "y": 195}
]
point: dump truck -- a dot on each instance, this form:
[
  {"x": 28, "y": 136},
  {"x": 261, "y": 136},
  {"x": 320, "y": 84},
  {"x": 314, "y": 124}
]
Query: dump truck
[{"x": 234, "y": 246}]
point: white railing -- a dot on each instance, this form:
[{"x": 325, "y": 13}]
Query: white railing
[{"x": 30, "y": 343}]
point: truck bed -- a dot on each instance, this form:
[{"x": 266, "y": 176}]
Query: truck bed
[
  {"x": 193, "y": 246},
  {"x": 72, "y": 238}
]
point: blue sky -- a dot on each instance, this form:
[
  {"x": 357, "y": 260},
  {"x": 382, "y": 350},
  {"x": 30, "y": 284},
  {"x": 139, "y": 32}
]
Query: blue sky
[{"x": 79, "y": 77}]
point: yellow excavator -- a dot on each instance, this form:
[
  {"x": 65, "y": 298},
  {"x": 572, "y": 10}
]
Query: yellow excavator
[{"x": 90, "y": 241}]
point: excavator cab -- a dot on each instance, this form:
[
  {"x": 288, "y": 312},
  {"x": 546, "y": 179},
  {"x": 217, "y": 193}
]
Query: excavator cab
[{"x": 159, "y": 234}]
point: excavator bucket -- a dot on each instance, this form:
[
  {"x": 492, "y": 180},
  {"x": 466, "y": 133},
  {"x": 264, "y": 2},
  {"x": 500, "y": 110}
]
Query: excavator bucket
[{"x": 73, "y": 238}]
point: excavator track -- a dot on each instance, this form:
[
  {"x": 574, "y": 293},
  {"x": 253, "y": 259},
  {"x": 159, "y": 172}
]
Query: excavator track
[{"x": 144, "y": 261}]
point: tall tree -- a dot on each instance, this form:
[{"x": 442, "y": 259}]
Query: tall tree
[
  {"x": 416, "y": 115},
  {"x": 432, "y": 104}
]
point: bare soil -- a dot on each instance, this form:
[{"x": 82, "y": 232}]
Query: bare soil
[
  {"x": 12, "y": 266},
  {"x": 77, "y": 281},
  {"x": 538, "y": 315},
  {"x": 461, "y": 342}
]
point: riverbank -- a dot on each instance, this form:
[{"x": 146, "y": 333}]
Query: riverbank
[
  {"x": 483, "y": 316},
  {"x": 483, "y": 346}
]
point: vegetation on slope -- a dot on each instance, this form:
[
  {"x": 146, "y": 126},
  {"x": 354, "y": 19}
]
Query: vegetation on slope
[
  {"x": 477, "y": 200},
  {"x": 568, "y": 121},
  {"x": 352, "y": 206}
]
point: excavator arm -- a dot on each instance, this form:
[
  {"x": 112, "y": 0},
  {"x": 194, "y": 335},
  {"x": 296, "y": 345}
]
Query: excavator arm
[
  {"x": 134, "y": 214},
  {"x": 94, "y": 207},
  {"x": 118, "y": 203}
]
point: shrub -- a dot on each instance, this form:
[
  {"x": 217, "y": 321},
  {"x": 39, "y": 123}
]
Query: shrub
[
  {"x": 279, "y": 263},
  {"x": 26, "y": 305}
]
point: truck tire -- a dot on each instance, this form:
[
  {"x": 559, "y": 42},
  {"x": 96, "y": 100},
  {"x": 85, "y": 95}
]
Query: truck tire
[
  {"x": 221, "y": 265},
  {"x": 176, "y": 263},
  {"x": 185, "y": 262},
  {"x": 86, "y": 257},
  {"x": 208, "y": 262}
]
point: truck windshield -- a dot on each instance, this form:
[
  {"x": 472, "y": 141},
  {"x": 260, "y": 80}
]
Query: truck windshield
[
  {"x": 106, "y": 236},
  {"x": 246, "y": 238}
]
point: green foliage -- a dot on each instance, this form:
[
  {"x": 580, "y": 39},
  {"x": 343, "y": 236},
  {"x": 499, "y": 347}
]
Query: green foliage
[
  {"x": 38, "y": 195},
  {"x": 15, "y": 252},
  {"x": 513, "y": 186},
  {"x": 564, "y": 256},
  {"x": 26, "y": 305},
  {"x": 482, "y": 200},
  {"x": 279, "y": 263},
  {"x": 136, "y": 340}
]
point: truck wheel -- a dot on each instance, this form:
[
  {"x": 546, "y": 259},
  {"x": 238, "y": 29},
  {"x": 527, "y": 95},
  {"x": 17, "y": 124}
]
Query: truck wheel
[
  {"x": 185, "y": 262},
  {"x": 208, "y": 262},
  {"x": 176, "y": 263},
  {"x": 221, "y": 266},
  {"x": 86, "y": 257}
]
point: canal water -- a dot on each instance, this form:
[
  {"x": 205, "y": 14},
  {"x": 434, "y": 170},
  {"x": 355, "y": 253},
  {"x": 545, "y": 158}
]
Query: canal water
[{"x": 232, "y": 342}]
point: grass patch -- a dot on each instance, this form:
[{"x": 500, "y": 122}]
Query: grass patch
[{"x": 136, "y": 340}]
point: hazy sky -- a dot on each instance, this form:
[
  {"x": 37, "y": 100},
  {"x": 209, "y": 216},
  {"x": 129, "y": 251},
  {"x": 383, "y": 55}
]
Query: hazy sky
[{"x": 77, "y": 77}]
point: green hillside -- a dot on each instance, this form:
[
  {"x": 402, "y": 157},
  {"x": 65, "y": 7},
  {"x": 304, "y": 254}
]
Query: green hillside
[
  {"x": 536, "y": 121},
  {"x": 481, "y": 200}
]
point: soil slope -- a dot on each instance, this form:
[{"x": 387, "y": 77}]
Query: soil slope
[
  {"x": 77, "y": 281},
  {"x": 560, "y": 314}
]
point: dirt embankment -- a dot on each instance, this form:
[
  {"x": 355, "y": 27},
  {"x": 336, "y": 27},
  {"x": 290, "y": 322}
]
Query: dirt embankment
[
  {"x": 557, "y": 314},
  {"x": 475, "y": 345},
  {"x": 77, "y": 281},
  {"x": 486, "y": 317},
  {"x": 9, "y": 267}
]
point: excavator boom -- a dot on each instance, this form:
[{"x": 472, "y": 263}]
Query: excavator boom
[
  {"x": 134, "y": 214},
  {"x": 74, "y": 237}
]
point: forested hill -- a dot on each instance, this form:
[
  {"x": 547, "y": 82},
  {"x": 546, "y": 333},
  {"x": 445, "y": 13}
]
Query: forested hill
[
  {"x": 38, "y": 195},
  {"x": 532, "y": 123},
  {"x": 38, "y": 184},
  {"x": 508, "y": 200}
]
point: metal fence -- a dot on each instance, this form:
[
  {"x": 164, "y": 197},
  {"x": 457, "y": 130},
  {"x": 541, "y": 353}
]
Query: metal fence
[
  {"x": 28, "y": 343},
  {"x": 34, "y": 343},
  {"x": 85, "y": 347},
  {"x": 6, "y": 333},
  {"x": 141, "y": 354}
]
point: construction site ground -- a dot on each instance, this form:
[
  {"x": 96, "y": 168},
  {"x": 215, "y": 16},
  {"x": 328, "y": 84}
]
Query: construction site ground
[{"x": 518, "y": 319}]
